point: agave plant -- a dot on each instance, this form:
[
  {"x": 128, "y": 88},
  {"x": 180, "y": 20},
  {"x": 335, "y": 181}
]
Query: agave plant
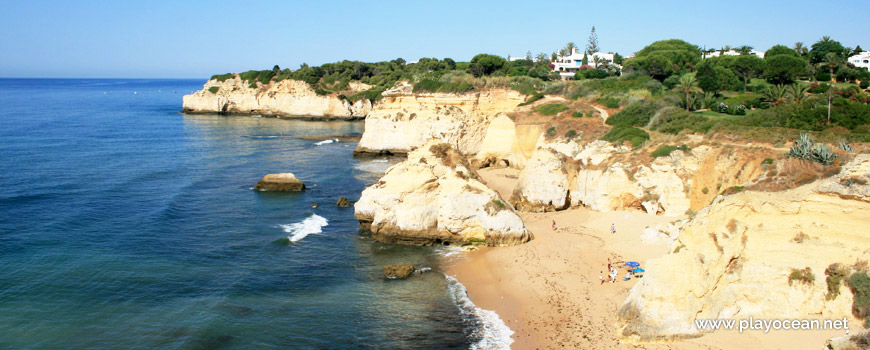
[
  {"x": 823, "y": 154},
  {"x": 806, "y": 148},
  {"x": 845, "y": 146}
]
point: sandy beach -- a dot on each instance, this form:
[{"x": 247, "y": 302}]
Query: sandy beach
[{"x": 549, "y": 292}]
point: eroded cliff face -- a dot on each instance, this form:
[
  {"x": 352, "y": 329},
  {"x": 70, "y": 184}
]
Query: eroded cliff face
[
  {"x": 733, "y": 260},
  {"x": 605, "y": 177},
  {"x": 403, "y": 121},
  {"x": 434, "y": 198},
  {"x": 287, "y": 98}
]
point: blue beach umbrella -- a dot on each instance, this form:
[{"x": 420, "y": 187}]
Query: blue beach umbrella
[
  {"x": 638, "y": 270},
  {"x": 632, "y": 264}
]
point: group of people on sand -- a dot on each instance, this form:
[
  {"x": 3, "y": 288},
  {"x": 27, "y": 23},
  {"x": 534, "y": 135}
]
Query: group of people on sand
[{"x": 612, "y": 272}]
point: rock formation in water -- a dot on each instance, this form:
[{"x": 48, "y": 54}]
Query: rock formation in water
[
  {"x": 403, "y": 121},
  {"x": 398, "y": 271},
  {"x": 285, "y": 98},
  {"x": 757, "y": 254},
  {"x": 284, "y": 182},
  {"x": 434, "y": 198}
]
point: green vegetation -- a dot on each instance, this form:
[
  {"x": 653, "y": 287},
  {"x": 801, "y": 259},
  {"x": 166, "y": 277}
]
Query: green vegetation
[
  {"x": 609, "y": 101},
  {"x": 551, "y": 109},
  {"x": 571, "y": 134},
  {"x": 635, "y": 114},
  {"x": 804, "y": 276},
  {"x": 551, "y": 131},
  {"x": 621, "y": 133},
  {"x": 577, "y": 114},
  {"x": 214, "y": 89},
  {"x": 859, "y": 283},
  {"x": 835, "y": 275},
  {"x": 499, "y": 203},
  {"x": 672, "y": 120},
  {"x": 223, "y": 77},
  {"x": 665, "y": 150},
  {"x": 532, "y": 99},
  {"x": 662, "y": 58}
]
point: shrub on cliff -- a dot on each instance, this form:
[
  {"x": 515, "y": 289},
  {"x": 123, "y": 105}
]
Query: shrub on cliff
[
  {"x": 429, "y": 85},
  {"x": 532, "y": 99},
  {"x": 223, "y": 77},
  {"x": 621, "y": 133},
  {"x": 672, "y": 120},
  {"x": 214, "y": 89},
  {"x": 666, "y": 150},
  {"x": 859, "y": 283},
  {"x": 551, "y": 109},
  {"x": 485, "y": 64},
  {"x": 635, "y": 114}
]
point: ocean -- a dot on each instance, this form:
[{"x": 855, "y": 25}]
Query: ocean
[{"x": 126, "y": 224}]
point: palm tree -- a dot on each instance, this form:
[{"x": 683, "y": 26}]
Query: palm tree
[
  {"x": 798, "y": 93},
  {"x": 800, "y": 48},
  {"x": 775, "y": 95},
  {"x": 569, "y": 47},
  {"x": 832, "y": 61},
  {"x": 745, "y": 49},
  {"x": 724, "y": 49},
  {"x": 542, "y": 57},
  {"x": 687, "y": 85},
  {"x": 563, "y": 52}
]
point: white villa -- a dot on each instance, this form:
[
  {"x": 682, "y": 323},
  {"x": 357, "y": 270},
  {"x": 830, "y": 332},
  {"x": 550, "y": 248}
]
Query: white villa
[
  {"x": 568, "y": 65},
  {"x": 718, "y": 53},
  {"x": 861, "y": 60}
]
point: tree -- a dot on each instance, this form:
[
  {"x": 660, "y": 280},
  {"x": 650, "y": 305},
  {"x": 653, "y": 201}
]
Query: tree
[
  {"x": 451, "y": 64},
  {"x": 618, "y": 59},
  {"x": 276, "y": 70},
  {"x": 592, "y": 45},
  {"x": 747, "y": 67},
  {"x": 585, "y": 60},
  {"x": 857, "y": 51},
  {"x": 745, "y": 50},
  {"x": 529, "y": 56},
  {"x": 800, "y": 48},
  {"x": 485, "y": 64},
  {"x": 824, "y": 46},
  {"x": 661, "y": 58},
  {"x": 569, "y": 48},
  {"x": 780, "y": 50},
  {"x": 724, "y": 49},
  {"x": 687, "y": 85},
  {"x": 707, "y": 76},
  {"x": 542, "y": 57},
  {"x": 832, "y": 61},
  {"x": 782, "y": 69}
]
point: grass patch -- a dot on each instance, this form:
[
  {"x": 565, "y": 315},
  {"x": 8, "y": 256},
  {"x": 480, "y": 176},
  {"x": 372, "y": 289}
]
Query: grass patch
[
  {"x": 620, "y": 134},
  {"x": 571, "y": 134},
  {"x": 719, "y": 116},
  {"x": 551, "y": 109},
  {"x": 429, "y": 85},
  {"x": 477, "y": 240},
  {"x": 577, "y": 114},
  {"x": 214, "y": 89},
  {"x": 636, "y": 114},
  {"x": 732, "y": 190}
]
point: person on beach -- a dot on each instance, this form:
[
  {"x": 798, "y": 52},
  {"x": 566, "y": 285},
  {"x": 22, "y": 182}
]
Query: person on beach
[
  {"x": 554, "y": 225},
  {"x": 612, "y": 229},
  {"x": 601, "y": 277}
]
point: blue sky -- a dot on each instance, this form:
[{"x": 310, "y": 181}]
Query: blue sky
[{"x": 195, "y": 39}]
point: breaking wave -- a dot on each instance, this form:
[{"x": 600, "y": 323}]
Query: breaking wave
[
  {"x": 490, "y": 331},
  {"x": 311, "y": 225}
]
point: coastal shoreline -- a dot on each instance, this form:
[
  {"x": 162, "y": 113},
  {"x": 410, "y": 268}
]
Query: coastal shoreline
[
  {"x": 265, "y": 114},
  {"x": 549, "y": 293}
]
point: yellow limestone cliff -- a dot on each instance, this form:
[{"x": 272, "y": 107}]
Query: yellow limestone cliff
[
  {"x": 434, "y": 198},
  {"x": 733, "y": 260},
  {"x": 403, "y": 120},
  {"x": 286, "y": 98}
]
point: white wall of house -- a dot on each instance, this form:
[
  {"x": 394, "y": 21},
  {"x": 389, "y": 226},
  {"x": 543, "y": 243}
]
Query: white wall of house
[
  {"x": 573, "y": 62},
  {"x": 861, "y": 60}
]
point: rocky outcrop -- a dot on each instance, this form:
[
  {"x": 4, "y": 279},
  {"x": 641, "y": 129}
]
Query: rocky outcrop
[
  {"x": 342, "y": 202},
  {"x": 604, "y": 177},
  {"x": 398, "y": 271},
  {"x": 286, "y": 98},
  {"x": 854, "y": 341},
  {"x": 506, "y": 144},
  {"x": 434, "y": 198},
  {"x": 734, "y": 259},
  {"x": 403, "y": 121},
  {"x": 284, "y": 182}
]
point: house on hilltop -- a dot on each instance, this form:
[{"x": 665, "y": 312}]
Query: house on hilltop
[
  {"x": 861, "y": 60},
  {"x": 567, "y": 66}
]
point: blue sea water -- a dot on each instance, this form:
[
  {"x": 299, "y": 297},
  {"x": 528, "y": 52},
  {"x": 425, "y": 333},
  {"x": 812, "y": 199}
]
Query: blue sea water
[{"x": 126, "y": 224}]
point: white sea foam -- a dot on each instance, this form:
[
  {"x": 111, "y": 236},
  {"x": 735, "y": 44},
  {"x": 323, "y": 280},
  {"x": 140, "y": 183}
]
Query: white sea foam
[
  {"x": 380, "y": 160},
  {"x": 491, "y": 332},
  {"x": 379, "y": 166},
  {"x": 311, "y": 225},
  {"x": 321, "y": 143}
]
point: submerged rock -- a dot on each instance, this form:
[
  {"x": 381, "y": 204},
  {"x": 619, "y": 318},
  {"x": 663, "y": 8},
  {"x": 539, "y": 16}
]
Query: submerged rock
[
  {"x": 283, "y": 182},
  {"x": 434, "y": 198},
  {"x": 343, "y": 202},
  {"x": 398, "y": 271}
]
